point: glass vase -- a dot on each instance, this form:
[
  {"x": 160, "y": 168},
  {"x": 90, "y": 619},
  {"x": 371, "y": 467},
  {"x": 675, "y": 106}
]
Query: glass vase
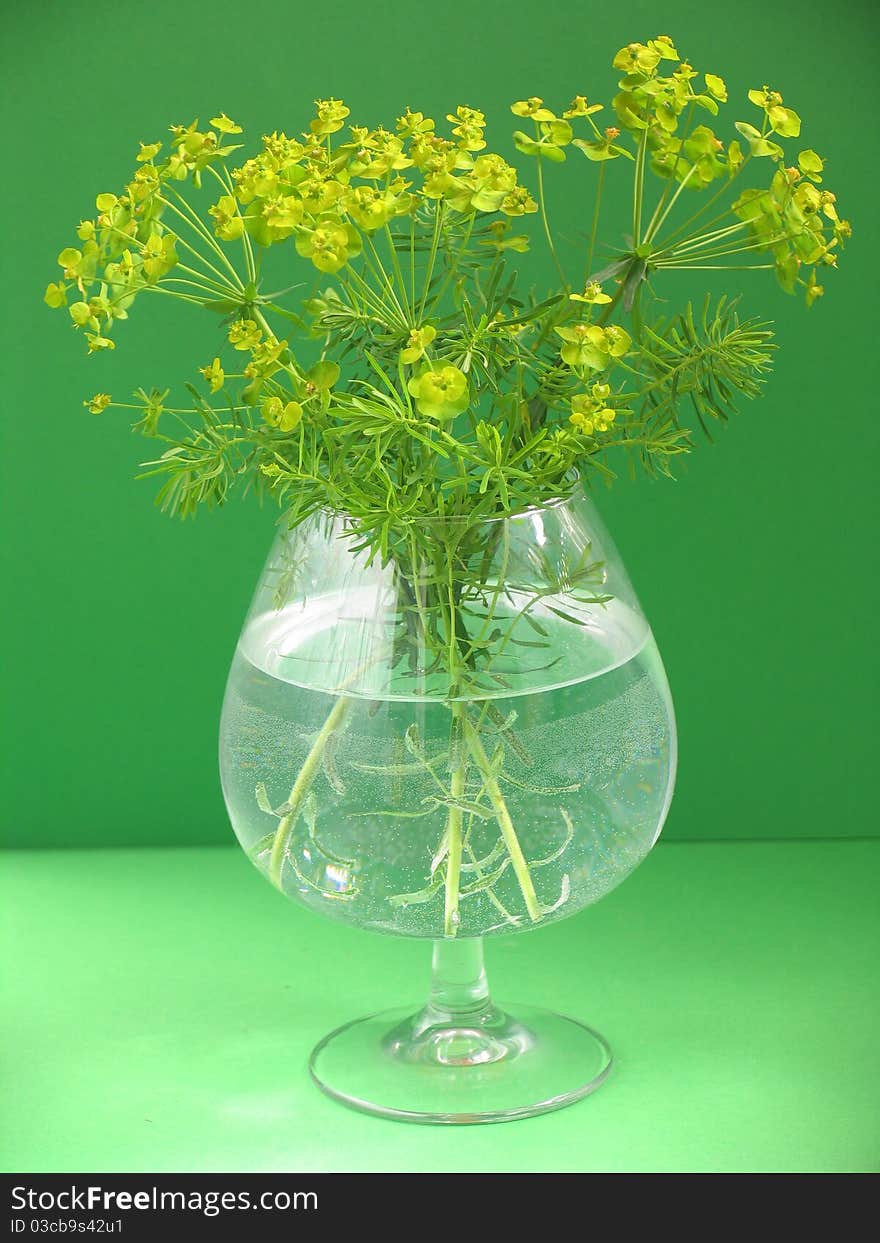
[{"x": 460, "y": 730}]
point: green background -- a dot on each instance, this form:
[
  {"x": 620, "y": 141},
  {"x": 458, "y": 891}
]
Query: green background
[
  {"x": 755, "y": 567},
  {"x": 162, "y": 1002}
]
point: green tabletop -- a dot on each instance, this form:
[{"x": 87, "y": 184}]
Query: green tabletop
[{"x": 160, "y": 1006}]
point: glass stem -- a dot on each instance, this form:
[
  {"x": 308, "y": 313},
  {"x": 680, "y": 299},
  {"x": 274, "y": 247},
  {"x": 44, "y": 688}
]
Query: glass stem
[{"x": 459, "y": 989}]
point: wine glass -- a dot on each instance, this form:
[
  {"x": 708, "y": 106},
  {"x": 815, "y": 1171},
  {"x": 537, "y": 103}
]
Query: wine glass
[{"x": 466, "y": 734}]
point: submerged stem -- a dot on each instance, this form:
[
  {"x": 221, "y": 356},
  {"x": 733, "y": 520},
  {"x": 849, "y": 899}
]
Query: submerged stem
[
  {"x": 301, "y": 787},
  {"x": 458, "y": 780},
  {"x": 505, "y": 824}
]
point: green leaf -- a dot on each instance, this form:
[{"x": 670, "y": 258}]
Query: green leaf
[
  {"x": 707, "y": 102},
  {"x": 525, "y": 144},
  {"x": 785, "y": 122},
  {"x": 787, "y": 271},
  {"x": 324, "y": 374},
  {"x": 599, "y": 150},
  {"x": 634, "y": 277},
  {"x": 811, "y": 164},
  {"x": 223, "y": 306},
  {"x": 535, "y": 624},
  {"x": 759, "y": 146},
  {"x": 528, "y": 316}
]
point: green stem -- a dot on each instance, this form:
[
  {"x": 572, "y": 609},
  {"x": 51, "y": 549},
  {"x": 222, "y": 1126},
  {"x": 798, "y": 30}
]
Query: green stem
[
  {"x": 458, "y": 781},
  {"x": 378, "y": 270},
  {"x": 198, "y": 225},
  {"x": 500, "y": 584},
  {"x": 222, "y": 285},
  {"x": 490, "y": 893},
  {"x": 715, "y": 267},
  {"x": 171, "y": 293},
  {"x": 453, "y": 267},
  {"x": 595, "y": 229},
  {"x": 653, "y": 224},
  {"x": 683, "y": 228},
  {"x": 177, "y": 280},
  {"x": 193, "y": 221},
  {"x": 368, "y": 294},
  {"x": 700, "y": 239},
  {"x": 543, "y": 207},
  {"x": 505, "y": 824},
  {"x": 719, "y": 251},
  {"x": 130, "y": 405},
  {"x": 210, "y": 286},
  {"x": 247, "y": 247},
  {"x": 639, "y": 187},
  {"x": 222, "y": 279},
  {"x": 651, "y": 231},
  {"x": 301, "y": 787},
  {"x": 432, "y": 257},
  {"x": 398, "y": 272}
]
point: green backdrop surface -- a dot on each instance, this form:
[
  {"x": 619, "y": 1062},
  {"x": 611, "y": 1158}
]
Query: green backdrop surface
[
  {"x": 161, "y": 1009},
  {"x": 756, "y": 567}
]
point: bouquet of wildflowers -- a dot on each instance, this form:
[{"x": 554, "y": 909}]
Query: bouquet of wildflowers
[
  {"x": 378, "y": 355},
  {"x": 410, "y": 374}
]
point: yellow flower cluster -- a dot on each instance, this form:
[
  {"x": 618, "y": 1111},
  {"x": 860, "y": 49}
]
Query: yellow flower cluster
[
  {"x": 590, "y": 412},
  {"x": 328, "y": 196},
  {"x": 797, "y": 221},
  {"x": 552, "y": 133},
  {"x": 272, "y": 374},
  {"x": 593, "y": 347},
  {"x": 127, "y": 246},
  {"x": 325, "y": 196},
  {"x": 650, "y": 105}
]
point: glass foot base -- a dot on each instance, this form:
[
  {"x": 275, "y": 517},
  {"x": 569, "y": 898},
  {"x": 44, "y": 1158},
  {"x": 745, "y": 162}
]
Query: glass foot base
[{"x": 439, "y": 1067}]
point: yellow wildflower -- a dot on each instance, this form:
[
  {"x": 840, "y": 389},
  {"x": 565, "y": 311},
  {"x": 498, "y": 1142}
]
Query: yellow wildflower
[
  {"x": 532, "y": 108},
  {"x": 441, "y": 392},
  {"x": 244, "y": 334},
  {"x": 419, "y": 340},
  {"x": 224, "y": 125},
  {"x": 592, "y": 294},
  {"x": 331, "y": 114},
  {"x": 215, "y": 375},
  {"x": 285, "y": 416}
]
